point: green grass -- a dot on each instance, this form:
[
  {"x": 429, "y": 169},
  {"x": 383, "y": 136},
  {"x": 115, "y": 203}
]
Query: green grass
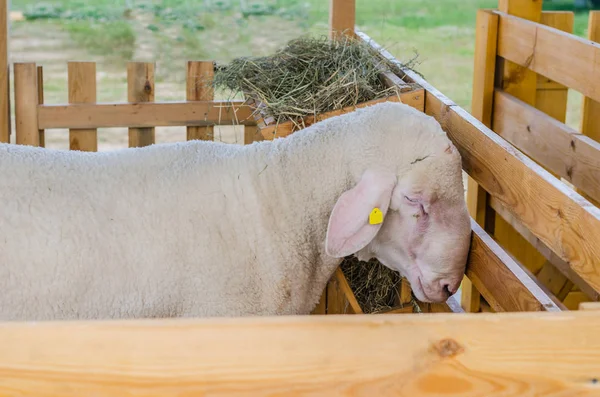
[{"x": 172, "y": 31}]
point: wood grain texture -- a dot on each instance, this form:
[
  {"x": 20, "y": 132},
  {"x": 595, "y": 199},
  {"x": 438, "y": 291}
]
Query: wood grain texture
[
  {"x": 504, "y": 284},
  {"x": 340, "y": 298},
  {"x": 464, "y": 355},
  {"x": 342, "y": 16},
  {"x": 551, "y": 143},
  {"x": 590, "y": 122},
  {"x": 26, "y": 104},
  {"x": 546, "y": 252},
  {"x": 562, "y": 57},
  {"x": 140, "y": 88},
  {"x": 414, "y": 98},
  {"x": 199, "y": 88},
  {"x": 484, "y": 72},
  {"x": 82, "y": 89},
  {"x": 4, "y": 75},
  {"x": 562, "y": 219},
  {"x": 141, "y": 115}
]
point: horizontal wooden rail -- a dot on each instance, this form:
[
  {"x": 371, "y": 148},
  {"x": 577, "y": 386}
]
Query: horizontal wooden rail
[
  {"x": 506, "y": 285},
  {"x": 553, "y": 144},
  {"x": 546, "y": 252},
  {"x": 462, "y": 355},
  {"x": 561, "y": 218},
  {"x": 563, "y": 57},
  {"x": 140, "y": 115}
]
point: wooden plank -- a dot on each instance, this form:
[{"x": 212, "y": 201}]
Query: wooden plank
[
  {"x": 589, "y": 306},
  {"x": 252, "y": 134},
  {"x": 199, "y": 88},
  {"x": 405, "y": 292},
  {"x": 340, "y": 298},
  {"x": 40, "y": 86},
  {"x": 551, "y": 143},
  {"x": 484, "y": 72},
  {"x": 342, "y": 16},
  {"x": 140, "y": 88},
  {"x": 321, "y": 307},
  {"x": 574, "y": 299},
  {"x": 504, "y": 284},
  {"x": 562, "y": 219},
  {"x": 141, "y": 115},
  {"x": 424, "y": 355},
  {"x": 544, "y": 250},
  {"x": 562, "y": 57},
  {"x": 26, "y": 104},
  {"x": 414, "y": 98},
  {"x": 4, "y": 75},
  {"x": 399, "y": 310},
  {"x": 82, "y": 89},
  {"x": 590, "y": 122}
]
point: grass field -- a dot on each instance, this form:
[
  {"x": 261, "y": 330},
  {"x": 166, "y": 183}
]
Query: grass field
[{"x": 169, "y": 32}]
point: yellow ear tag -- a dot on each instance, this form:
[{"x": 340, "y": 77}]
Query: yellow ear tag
[{"x": 375, "y": 217}]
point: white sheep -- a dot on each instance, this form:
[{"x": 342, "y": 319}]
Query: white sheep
[{"x": 213, "y": 229}]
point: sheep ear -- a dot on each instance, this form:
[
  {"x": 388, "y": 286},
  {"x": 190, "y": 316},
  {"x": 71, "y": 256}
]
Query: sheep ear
[{"x": 350, "y": 227}]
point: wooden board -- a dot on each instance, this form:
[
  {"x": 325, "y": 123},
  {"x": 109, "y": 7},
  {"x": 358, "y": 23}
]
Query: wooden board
[
  {"x": 160, "y": 114},
  {"x": 340, "y": 298},
  {"x": 82, "y": 89},
  {"x": 199, "y": 88},
  {"x": 415, "y": 99},
  {"x": 504, "y": 284},
  {"x": 140, "y": 88},
  {"x": 342, "y": 15},
  {"x": 590, "y": 122},
  {"x": 562, "y": 57},
  {"x": 26, "y": 104},
  {"x": 465, "y": 355},
  {"x": 549, "y": 142},
  {"x": 4, "y": 75}
]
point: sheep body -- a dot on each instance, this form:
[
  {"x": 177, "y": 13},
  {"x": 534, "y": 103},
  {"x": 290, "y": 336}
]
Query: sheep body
[{"x": 188, "y": 229}]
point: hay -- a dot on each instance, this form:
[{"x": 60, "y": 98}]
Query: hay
[{"x": 309, "y": 76}]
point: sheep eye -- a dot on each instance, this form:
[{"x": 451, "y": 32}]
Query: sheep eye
[{"x": 412, "y": 201}]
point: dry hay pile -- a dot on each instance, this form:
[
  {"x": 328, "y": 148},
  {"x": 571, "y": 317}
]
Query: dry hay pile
[{"x": 307, "y": 77}]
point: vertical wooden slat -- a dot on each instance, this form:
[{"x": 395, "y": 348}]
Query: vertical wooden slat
[
  {"x": 590, "y": 122},
  {"x": 251, "y": 134},
  {"x": 340, "y": 298},
  {"x": 342, "y": 17},
  {"x": 521, "y": 83},
  {"x": 140, "y": 88},
  {"x": 4, "y": 75},
  {"x": 26, "y": 102},
  {"x": 321, "y": 307},
  {"x": 405, "y": 292},
  {"x": 484, "y": 73},
  {"x": 199, "y": 88},
  {"x": 82, "y": 89},
  {"x": 40, "y": 83}
]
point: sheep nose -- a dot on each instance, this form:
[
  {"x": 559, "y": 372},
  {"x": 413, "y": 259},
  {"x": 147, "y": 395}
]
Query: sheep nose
[{"x": 448, "y": 288}]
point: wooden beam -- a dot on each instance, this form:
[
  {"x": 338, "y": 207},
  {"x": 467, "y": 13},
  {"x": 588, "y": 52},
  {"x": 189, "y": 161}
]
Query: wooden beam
[
  {"x": 26, "y": 104},
  {"x": 4, "y": 75},
  {"x": 562, "y": 219},
  {"x": 551, "y": 143},
  {"x": 140, "y": 88},
  {"x": 160, "y": 114},
  {"x": 82, "y": 89},
  {"x": 484, "y": 72},
  {"x": 342, "y": 17},
  {"x": 340, "y": 298},
  {"x": 415, "y": 99},
  {"x": 562, "y": 57},
  {"x": 199, "y": 80},
  {"x": 548, "y": 254},
  {"x": 590, "y": 122},
  {"x": 504, "y": 284},
  {"x": 40, "y": 87},
  {"x": 446, "y": 354}
]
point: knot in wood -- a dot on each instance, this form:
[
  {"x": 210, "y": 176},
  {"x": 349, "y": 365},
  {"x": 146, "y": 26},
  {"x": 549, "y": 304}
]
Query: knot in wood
[
  {"x": 147, "y": 87},
  {"x": 447, "y": 348}
]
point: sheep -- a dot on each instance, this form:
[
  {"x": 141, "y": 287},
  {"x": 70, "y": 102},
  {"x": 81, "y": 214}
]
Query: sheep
[{"x": 208, "y": 229}]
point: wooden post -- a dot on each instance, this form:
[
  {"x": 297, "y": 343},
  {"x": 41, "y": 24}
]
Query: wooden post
[
  {"x": 484, "y": 73},
  {"x": 342, "y": 17},
  {"x": 590, "y": 122},
  {"x": 82, "y": 89},
  {"x": 251, "y": 134},
  {"x": 40, "y": 85},
  {"x": 140, "y": 88},
  {"x": 4, "y": 75},
  {"x": 26, "y": 102},
  {"x": 199, "y": 88}
]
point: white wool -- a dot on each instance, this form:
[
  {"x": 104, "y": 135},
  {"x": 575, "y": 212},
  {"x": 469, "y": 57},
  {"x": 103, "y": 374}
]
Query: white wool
[{"x": 192, "y": 228}]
